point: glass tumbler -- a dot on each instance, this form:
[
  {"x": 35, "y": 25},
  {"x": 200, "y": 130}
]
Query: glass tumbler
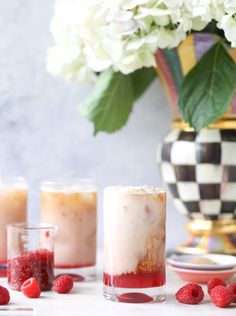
[
  {"x": 71, "y": 205},
  {"x": 13, "y": 208},
  {"x": 30, "y": 251},
  {"x": 134, "y": 244}
]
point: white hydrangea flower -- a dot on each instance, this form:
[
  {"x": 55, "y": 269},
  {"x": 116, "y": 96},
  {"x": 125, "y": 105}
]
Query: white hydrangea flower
[
  {"x": 69, "y": 62},
  {"x": 228, "y": 24},
  {"x": 206, "y": 10},
  {"x": 92, "y": 35},
  {"x": 229, "y": 6},
  {"x": 228, "y": 21}
]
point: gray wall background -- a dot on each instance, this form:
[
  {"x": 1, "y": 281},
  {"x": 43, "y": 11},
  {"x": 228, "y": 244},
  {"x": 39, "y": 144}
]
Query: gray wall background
[{"x": 43, "y": 136}]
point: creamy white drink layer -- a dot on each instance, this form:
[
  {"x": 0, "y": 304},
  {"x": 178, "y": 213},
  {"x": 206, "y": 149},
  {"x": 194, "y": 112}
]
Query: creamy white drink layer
[
  {"x": 134, "y": 228},
  {"x": 73, "y": 211}
]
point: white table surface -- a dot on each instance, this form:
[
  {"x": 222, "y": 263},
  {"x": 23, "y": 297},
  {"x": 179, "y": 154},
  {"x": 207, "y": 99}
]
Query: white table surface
[{"x": 86, "y": 299}]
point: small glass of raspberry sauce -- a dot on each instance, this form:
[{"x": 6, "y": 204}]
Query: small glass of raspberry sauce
[{"x": 30, "y": 252}]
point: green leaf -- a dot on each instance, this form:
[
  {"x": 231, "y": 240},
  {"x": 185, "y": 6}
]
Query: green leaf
[
  {"x": 141, "y": 79},
  {"x": 208, "y": 89},
  {"x": 110, "y": 103}
]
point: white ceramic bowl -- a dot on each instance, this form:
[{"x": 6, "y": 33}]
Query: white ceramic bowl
[{"x": 223, "y": 262}]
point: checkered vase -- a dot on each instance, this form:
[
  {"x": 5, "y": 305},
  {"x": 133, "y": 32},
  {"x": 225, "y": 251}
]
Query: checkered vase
[{"x": 200, "y": 172}]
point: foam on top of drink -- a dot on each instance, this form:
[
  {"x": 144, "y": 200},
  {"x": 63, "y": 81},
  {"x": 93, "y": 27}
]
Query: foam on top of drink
[
  {"x": 13, "y": 184},
  {"x": 145, "y": 189},
  {"x": 70, "y": 186}
]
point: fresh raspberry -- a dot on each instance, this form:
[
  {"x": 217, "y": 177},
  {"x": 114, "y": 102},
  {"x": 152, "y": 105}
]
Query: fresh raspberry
[
  {"x": 31, "y": 288},
  {"x": 63, "y": 284},
  {"x": 221, "y": 296},
  {"x": 191, "y": 293},
  {"x": 4, "y": 296},
  {"x": 232, "y": 288},
  {"x": 214, "y": 282}
]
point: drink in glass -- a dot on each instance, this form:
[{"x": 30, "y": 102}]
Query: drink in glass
[
  {"x": 72, "y": 206},
  {"x": 134, "y": 244},
  {"x": 13, "y": 208}
]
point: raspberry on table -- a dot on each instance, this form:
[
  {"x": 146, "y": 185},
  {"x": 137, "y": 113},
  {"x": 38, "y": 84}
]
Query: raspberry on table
[
  {"x": 31, "y": 288},
  {"x": 191, "y": 293},
  {"x": 63, "y": 284},
  {"x": 4, "y": 295},
  {"x": 221, "y": 296},
  {"x": 214, "y": 282},
  {"x": 232, "y": 288}
]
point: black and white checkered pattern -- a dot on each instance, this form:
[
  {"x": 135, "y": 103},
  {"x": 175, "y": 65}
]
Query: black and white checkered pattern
[{"x": 200, "y": 171}]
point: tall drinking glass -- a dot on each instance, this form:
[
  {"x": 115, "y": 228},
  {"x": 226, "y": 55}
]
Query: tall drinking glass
[
  {"x": 134, "y": 244},
  {"x": 72, "y": 206},
  {"x": 13, "y": 208}
]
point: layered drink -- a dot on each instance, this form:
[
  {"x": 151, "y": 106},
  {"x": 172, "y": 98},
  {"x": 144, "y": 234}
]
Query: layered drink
[
  {"x": 13, "y": 208},
  {"x": 72, "y": 207},
  {"x": 134, "y": 244}
]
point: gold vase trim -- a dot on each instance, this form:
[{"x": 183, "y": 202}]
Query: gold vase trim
[
  {"x": 196, "y": 227},
  {"x": 223, "y": 123},
  {"x": 202, "y": 232}
]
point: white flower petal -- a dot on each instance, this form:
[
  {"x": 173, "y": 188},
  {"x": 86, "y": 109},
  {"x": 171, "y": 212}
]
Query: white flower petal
[{"x": 91, "y": 35}]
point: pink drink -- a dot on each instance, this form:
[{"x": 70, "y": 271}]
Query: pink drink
[
  {"x": 71, "y": 206},
  {"x": 13, "y": 208},
  {"x": 134, "y": 244}
]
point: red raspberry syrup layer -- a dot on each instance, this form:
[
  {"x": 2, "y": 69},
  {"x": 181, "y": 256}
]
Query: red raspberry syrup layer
[
  {"x": 3, "y": 269},
  {"x": 135, "y": 280},
  {"x": 75, "y": 277},
  {"x": 134, "y": 298},
  {"x": 74, "y": 266},
  {"x": 33, "y": 264}
]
